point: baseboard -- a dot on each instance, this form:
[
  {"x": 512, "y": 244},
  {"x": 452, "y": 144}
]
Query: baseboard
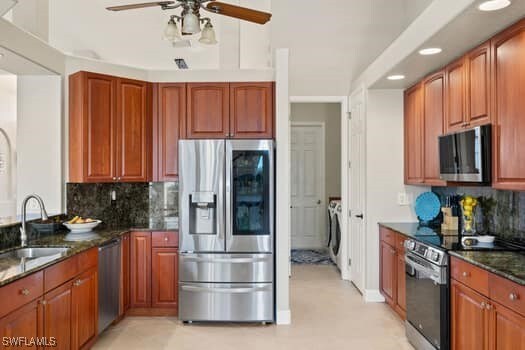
[
  {"x": 373, "y": 296},
  {"x": 152, "y": 312},
  {"x": 284, "y": 317}
]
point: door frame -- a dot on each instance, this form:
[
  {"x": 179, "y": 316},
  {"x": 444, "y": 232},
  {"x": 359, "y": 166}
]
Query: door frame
[
  {"x": 343, "y": 101},
  {"x": 322, "y": 158}
]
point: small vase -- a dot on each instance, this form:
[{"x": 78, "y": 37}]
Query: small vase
[{"x": 468, "y": 223}]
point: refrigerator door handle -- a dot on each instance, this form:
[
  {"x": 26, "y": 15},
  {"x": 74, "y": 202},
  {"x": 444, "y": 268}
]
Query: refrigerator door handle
[
  {"x": 226, "y": 290},
  {"x": 229, "y": 193},
  {"x": 228, "y": 261}
]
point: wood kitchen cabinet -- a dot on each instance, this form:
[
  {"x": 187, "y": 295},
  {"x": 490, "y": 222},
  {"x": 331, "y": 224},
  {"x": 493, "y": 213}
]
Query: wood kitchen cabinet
[
  {"x": 58, "y": 320},
  {"x": 251, "y": 110},
  {"x": 230, "y": 110},
  {"x": 109, "y": 129},
  {"x": 140, "y": 269},
  {"x": 433, "y": 109},
  {"x": 413, "y": 135},
  {"x": 392, "y": 270},
  {"x": 165, "y": 279},
  {"x": 208, "y": 111},
  {"x": 456, "y": 95},
  {"x": 169, "y": 128},
  {"x": 85, "y": 309},
  {"x": 508, "y": 53},
  {"x": 24, "y": 322},
  {"x": 487, "y": 311}
]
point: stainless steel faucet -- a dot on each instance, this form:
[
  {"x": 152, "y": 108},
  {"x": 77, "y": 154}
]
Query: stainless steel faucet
[{"x": 43, "y": 215}]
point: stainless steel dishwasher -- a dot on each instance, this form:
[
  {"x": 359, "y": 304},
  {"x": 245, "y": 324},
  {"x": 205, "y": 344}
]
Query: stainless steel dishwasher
[{"x": 108, "y": 283}]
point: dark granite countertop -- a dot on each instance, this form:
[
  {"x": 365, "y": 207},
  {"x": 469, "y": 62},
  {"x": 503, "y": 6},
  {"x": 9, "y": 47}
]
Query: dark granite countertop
[
  {"x": 10, "y": 268},
  {"x": 510, "y": 265}
]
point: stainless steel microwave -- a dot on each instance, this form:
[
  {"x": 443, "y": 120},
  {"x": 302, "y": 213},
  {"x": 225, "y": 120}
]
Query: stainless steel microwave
[{"x": 465, "y": 156}]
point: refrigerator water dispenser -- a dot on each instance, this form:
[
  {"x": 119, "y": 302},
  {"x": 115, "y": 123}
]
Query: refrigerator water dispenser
[{"x": 203, "y": 214}]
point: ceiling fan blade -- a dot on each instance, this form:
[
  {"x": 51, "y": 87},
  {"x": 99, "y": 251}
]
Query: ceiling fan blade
[
  {"x": 239, "y": 12},
  {"x": 139, "y": 6}
]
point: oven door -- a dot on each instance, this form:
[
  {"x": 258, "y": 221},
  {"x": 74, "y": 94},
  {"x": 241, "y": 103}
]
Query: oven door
[{"x": 427, "y": 300}]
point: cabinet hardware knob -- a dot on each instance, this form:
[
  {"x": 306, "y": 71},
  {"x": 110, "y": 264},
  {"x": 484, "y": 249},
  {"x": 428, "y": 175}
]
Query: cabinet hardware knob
[
  {"x": 513, "y": 296},
  {"x": 77, "y": 283},
  {"x": 114, "y": 179},
  {"x": 465, "y": 274},
  {"x": 25, "y": 292},
  {"x": 483, "y": 305},
  {"x": 489, "y": 306},
  {"x": 166, "y": 239},
  {"x": 43, "y": 302}
]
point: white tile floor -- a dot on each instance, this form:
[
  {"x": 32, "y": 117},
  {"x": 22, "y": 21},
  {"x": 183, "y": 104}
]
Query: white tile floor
[{"x": 327, "y": 313}]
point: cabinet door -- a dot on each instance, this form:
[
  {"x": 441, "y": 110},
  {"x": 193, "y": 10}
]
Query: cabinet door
[
  {"x": 57, "y": 316},
  {"x": 509, "y": 108},
  {"x": 170, "y": 124},
  {"x": 165, "y": 278},
  {"x": 433, "y": 91},
  {"x": 99, "y": 128},
  {"x": 133, "y": 130},
  {"x": 24, "y": 322},
  {"x": 478, "y": 83},
  {"x": 251, "y": 110},
  {"x": 413, "y": 136},
  {"x": 85, "y": 308},
  {"x": 388, "y": 272},
  {"x": 469, "y": 319},
  {"x": 124, "y": 274},
  {"x": 507, "y": 329},
  {"x": 140, "y": 269},
  {"x": 456, "y": 96},
  {"x": 208, "y": 111},
  {"x": 401, "y": 302}
]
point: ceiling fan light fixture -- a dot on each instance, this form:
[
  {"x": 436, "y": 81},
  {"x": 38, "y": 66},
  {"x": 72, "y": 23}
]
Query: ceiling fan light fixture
[
  {"x": 171, "y": 33},
  {"x": 208, "y": 35},
  {"x": 191, "y": 24}
]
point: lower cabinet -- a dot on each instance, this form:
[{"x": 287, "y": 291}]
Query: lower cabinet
[
  {"x": 392, "y": 270},
  {"x": 58, "y": 321},
  {"x": 124, "y": 274},
  {"x": 481, "y": 322},
  {"x": 154, "y": 273},
  {"x": 85, "y": 309},
  {"x": 25, "y": 322}
]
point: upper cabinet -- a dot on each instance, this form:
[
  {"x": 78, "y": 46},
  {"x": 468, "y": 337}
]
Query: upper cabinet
[
  {"x": 251, "y": 110},
  {"x": 478, "y": 83},
  {"x": 413, "y": 135},
  {"x": 169, "y": 128},
  {"x": 433, "y": 108},
  {"x": 456, "y": 95},
  {"x": 230, "y": 110},
  {"x": 109, "y": 129},
  {"x": 508, "y": 79},
  {"x": 208, "y": 111}
]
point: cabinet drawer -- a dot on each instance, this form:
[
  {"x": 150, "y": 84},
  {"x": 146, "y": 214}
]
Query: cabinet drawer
[
  {"x": 21, "y": 292},
  {"x": 388, "y": 236},
  {"x": 507, "y": 293},
  {"x": 164, "y": 239},
  {"x": 400, "y": 243},
  {"x": 60, "y": 273},
  {"x": 88, "y": 259},
  {"x": 470, "y": 275}
]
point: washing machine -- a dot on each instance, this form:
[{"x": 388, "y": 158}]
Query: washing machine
[{"x": 334, "y": 246}]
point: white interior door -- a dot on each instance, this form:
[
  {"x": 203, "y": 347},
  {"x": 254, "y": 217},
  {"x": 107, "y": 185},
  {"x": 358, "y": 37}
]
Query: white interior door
[
  {"x": 307, "y": 186},
  {"x": 357, "y": 193}
]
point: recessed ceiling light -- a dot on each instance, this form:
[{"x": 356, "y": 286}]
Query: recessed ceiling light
[
  {"x": 430, "y": 51},
  {"x": 493, "y": 5},
  {"x": 396, "y": 77},
  {"x": 1, "y": 55}
]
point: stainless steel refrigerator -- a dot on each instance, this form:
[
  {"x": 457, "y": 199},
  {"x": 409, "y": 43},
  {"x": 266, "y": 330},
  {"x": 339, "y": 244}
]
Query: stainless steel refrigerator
[{"x": 226, "y": 205}]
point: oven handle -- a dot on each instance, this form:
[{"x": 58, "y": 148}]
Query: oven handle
[{"x": 423, "y": 270}]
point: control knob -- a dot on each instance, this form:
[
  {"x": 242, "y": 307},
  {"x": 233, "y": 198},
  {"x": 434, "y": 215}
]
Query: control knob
[
  {"x": 435, "y": 256},
  {"x": 410, "y": 244}
]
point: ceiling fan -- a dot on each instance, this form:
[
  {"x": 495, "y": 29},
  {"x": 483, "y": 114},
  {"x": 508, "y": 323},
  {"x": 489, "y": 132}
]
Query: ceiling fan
[{"x": 191, "y": 19}]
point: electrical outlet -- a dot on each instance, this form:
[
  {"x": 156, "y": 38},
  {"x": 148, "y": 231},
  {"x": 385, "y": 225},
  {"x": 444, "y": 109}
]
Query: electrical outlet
[
  {"x": 403, "y": 198},
  {"x": 113, "y": 195}
]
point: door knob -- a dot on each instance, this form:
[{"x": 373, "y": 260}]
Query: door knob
[
  {"x": 360, "y": 216},
  {"x": 318, "y": 201}
]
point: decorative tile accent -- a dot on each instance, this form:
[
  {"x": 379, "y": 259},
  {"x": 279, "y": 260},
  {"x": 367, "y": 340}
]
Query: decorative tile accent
[{"x": 501, "y": 213}]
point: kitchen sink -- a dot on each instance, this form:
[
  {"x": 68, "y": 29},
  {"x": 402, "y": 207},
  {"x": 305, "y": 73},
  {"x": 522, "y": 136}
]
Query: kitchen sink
[{"x": 35, "y": 253}]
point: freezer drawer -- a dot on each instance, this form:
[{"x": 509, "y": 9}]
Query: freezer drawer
[
  {"x": 226, "y": 268},
  {"x": 228, "y": 302}
]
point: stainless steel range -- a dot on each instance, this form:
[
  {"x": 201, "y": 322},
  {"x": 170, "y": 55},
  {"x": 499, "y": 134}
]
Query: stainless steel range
[
  {"x": 226, "y": 230},
  {"x": 427, "y": 296}
]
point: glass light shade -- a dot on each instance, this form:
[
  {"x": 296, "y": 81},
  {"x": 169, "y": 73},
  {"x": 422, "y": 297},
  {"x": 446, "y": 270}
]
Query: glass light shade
[
  {"x": 171, "y": 33},
  {"x": 493, "y": 5},
  {"x": 191, "y": 24},
  {"x": 208, "y": 35}
]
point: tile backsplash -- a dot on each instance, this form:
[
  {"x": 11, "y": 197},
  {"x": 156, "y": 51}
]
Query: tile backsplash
[
  {"x": 501, "y": 213},
  {"x": 139, "y": 205}
]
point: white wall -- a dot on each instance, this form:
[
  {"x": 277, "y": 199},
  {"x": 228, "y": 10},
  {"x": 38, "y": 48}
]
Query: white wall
[
  {"x": 39, "y": 161},
  {"x": 32, "y": 16},
  {"x": 8, "y": 125},
  {"x": 384, "y": 173},
  {"x": 330, "y": 115}
]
